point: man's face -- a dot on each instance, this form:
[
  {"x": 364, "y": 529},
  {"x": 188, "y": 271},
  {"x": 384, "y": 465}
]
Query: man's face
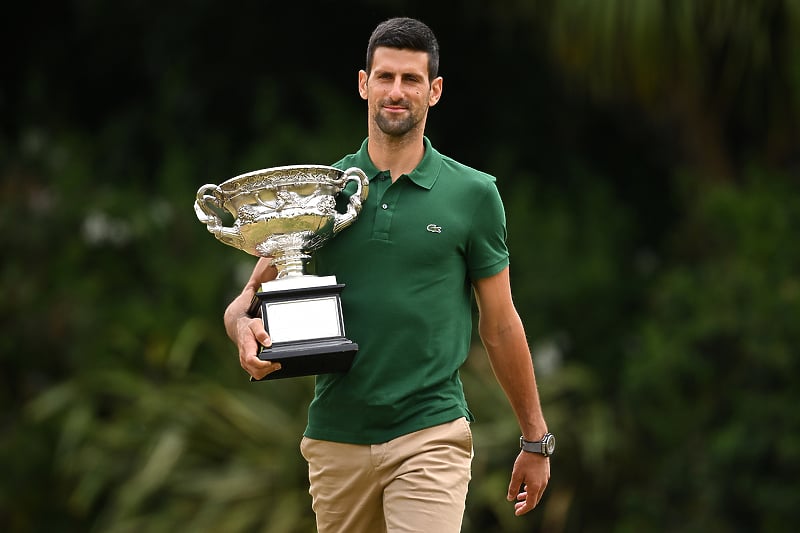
[{"x": 398, "y": 91}]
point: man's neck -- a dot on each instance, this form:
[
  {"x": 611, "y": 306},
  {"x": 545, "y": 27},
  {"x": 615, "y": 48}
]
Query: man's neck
[{"x": 398, "y": 155}]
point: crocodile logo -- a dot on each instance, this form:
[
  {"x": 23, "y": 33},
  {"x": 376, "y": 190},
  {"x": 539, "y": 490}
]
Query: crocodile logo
[{"x": 433, "y": 228}]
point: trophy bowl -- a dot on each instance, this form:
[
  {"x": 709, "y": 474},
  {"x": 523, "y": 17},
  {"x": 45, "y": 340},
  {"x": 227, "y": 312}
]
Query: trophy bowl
[{"x": 282, "y": 212}]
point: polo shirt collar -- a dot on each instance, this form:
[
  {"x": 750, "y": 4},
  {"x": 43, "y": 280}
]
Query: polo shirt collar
[{"x": 425, "y": 175}]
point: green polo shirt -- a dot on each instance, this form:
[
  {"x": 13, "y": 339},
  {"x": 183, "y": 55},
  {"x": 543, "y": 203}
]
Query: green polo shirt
[{"x": 407, "y": 263}]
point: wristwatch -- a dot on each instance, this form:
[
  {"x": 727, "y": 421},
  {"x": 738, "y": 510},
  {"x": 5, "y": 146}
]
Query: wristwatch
[{"x": 546, "y": 446}]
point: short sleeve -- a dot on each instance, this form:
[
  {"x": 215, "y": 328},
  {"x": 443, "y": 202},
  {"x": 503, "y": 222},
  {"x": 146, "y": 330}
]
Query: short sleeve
[{"x": 486, "y": 250}]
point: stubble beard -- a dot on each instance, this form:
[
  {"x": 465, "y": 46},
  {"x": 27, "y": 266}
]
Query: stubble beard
[{"x": 396, "y": 127}]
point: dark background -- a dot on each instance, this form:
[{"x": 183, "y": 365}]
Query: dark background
[{"x": 648, "y": 155}]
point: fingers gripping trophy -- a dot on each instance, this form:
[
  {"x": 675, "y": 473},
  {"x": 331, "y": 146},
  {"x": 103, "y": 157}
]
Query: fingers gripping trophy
[{"x": 285, "y": 213}]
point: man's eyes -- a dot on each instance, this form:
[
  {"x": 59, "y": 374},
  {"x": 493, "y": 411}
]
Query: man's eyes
[{"x": 407, "y": 78}]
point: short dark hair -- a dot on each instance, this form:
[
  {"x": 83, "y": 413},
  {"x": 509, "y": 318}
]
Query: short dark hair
[{"x": 405, "y": 34}]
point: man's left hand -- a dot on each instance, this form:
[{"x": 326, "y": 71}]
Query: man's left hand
[{"x": 528, "y": 481}]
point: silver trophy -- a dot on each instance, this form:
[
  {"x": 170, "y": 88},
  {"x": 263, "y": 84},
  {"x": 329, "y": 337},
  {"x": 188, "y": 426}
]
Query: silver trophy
[{"x": 285, "y": 213}]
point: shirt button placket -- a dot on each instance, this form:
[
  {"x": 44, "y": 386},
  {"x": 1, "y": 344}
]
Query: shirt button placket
[{"x": 383, "y": 220}]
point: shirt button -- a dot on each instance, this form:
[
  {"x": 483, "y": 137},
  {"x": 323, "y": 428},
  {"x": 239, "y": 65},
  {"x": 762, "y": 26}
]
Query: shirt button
[{"x": 384, "y": 206}]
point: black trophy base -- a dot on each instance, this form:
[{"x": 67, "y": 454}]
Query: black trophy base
[
  {"x": 310, "y": 358},
  {"x": 304, "y": 319}
]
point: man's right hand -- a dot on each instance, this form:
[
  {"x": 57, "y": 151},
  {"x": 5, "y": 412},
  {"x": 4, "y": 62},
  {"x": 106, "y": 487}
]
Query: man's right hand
[
  {"x": 244, "y": 330},
  {"x": 250, "y": 333}
]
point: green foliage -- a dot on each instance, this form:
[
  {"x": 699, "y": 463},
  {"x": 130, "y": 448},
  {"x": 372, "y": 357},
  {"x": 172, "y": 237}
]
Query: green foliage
[
  {"x": 707, "y": 383},
  {"x": 185, "y": 454}
]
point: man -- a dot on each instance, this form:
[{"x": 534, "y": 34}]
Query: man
[{"x": 388, "y": 443}]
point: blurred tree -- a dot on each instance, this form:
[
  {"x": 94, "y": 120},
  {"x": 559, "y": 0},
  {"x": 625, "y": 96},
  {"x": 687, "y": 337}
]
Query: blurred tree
[
  {"x": 721, "y": 76},
  {"x": 713, "y": 367}
]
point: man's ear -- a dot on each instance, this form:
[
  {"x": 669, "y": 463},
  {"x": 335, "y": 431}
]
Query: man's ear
[
  {"x": 362, "y": 83},
  {"x": 436, "y": 91}
]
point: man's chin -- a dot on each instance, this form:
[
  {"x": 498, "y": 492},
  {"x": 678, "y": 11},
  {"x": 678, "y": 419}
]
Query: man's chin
[{"x": 394, "y": 128}]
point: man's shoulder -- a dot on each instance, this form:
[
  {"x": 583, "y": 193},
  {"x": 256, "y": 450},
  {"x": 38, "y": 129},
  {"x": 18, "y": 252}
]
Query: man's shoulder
[
  {"x": 353, "y": 158},
  {"x": 344, "y": 162},
  {"x": 465, "y": 173}
]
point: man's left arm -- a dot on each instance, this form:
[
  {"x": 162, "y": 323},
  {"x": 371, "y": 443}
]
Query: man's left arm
[{"x": 503, "y": 335}]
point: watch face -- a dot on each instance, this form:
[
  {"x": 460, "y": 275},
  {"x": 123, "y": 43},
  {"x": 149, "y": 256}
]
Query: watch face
[{"x": 550, "y": 444}]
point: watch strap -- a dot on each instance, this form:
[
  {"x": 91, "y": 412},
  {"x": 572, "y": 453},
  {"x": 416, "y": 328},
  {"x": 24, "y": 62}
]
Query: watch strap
[{"x": 536, "y": 446}]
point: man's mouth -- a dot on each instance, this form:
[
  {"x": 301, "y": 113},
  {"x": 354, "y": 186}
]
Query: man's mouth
[{"x": 395, "y": 108}]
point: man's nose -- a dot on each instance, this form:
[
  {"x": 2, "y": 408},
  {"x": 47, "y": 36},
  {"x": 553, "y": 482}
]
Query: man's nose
[{"x": 396, "y": 90}]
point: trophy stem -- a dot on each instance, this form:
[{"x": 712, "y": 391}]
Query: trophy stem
[{"x": 290, "y": 263}]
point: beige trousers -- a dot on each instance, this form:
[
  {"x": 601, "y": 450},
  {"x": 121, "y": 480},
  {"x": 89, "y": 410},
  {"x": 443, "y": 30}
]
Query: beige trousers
[{"x": 414, "y": 483}]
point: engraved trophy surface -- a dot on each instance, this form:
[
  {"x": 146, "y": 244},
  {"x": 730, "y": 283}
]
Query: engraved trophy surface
[{"x": 285, "y": 213}]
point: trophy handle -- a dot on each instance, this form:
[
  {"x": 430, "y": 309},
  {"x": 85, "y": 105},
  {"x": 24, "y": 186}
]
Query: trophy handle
[
  {"x": 343, "y": 220},
  {"x": 209, "y": 217}
]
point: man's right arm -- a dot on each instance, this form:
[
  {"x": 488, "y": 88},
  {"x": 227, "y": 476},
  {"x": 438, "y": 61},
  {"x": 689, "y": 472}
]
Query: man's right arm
[{"x": 248, "y": 332}]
